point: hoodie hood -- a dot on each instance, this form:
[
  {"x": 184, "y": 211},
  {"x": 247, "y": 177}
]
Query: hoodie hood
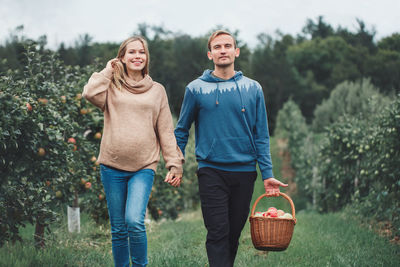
[
  {"x": 208, "y": 77},
  {"x": 139, "y": 87}
]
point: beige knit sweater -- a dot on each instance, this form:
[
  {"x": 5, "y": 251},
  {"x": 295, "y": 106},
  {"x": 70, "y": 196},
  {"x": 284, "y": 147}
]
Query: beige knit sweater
[{"x": 137, "y": 122}]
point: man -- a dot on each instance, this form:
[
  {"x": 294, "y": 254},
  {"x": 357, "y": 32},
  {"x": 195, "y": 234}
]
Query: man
[{"x": 231, "y": 134}]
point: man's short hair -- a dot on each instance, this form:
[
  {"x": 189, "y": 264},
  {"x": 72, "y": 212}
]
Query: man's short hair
[{"x": 218, "y": 33}]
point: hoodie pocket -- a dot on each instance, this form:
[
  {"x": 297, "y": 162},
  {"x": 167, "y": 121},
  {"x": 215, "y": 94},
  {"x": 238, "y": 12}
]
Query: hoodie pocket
[{"x": 231, "y": 150}]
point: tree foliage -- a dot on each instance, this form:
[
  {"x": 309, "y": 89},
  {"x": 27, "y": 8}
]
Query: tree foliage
[
  {"x": 349, "y": 98},
  {"x": 49, "y": 138}
]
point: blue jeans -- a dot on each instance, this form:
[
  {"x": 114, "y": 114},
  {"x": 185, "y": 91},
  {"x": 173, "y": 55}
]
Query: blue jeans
[{"x": 127, "y": 195}]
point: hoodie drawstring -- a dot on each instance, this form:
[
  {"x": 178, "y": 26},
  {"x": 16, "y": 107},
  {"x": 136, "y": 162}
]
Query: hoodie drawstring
[
  {"x": 209, "y": 77},
  {"x": 240, "y": 94},
  {"x": 238, "y": 89},
  {"x": 217, "y": 99}
]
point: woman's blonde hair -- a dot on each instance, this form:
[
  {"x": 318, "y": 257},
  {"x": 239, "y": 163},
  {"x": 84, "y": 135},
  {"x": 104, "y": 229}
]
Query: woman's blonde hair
[{"x": 120, "y": 71}]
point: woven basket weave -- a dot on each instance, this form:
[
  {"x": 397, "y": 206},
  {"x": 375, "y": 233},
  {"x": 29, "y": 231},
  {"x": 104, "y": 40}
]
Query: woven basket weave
[{"x": 271, "y": 234}]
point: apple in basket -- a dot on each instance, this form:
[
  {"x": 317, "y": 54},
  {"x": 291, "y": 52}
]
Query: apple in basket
[
  {"x": 259, "y": 214},
  {"x": 272, "y": 212},
  {"x": 280, "y": 213},
  {"x": 287, "y": 216},
  {"x": 272, "y": 209}
]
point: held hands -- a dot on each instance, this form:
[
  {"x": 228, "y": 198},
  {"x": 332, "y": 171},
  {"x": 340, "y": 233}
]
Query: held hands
[
  {"x": 272, "y": 185},
  {"x": 173, "y": 178}
]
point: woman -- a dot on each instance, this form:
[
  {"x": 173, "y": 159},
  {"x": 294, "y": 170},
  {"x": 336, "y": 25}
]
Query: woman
[{"x": 137, "y": 122}]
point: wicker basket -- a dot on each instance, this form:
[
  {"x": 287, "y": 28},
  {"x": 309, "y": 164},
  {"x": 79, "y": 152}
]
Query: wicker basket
[{"x": 271, "y": 234}]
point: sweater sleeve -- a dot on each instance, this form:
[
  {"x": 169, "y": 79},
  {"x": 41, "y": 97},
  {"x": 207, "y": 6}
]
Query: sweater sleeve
[
  {"x": 95, "y": 91},
  {"x": 262, "y": 138},
  {"x": 186, "y": 118},
  {"x": 172, "y": 155}
]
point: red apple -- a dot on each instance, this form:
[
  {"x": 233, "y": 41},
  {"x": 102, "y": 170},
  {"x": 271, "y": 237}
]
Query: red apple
[
  {"x": 71, "y": 140},
  {"x": 29, "y": 107},
  {"x": 97, "y": 135},
  {"x": 88, "y": 185},
  {"x": 272, "y": 213},
  {"x": 101, "y": 197}
]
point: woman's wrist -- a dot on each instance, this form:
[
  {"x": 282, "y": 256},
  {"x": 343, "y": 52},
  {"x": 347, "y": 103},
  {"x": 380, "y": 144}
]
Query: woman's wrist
[
  {"x": 175, "y": 170},
  {"x": 107, "y": 73}
]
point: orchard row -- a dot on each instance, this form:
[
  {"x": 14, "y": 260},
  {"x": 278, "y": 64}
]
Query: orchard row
[{"x": 49, "y": 138}]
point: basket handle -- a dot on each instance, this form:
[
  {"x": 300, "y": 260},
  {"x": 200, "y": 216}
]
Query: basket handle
[{"x": 280, "y": 194}]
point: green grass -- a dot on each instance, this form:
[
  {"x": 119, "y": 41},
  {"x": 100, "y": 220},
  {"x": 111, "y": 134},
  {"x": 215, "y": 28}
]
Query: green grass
[
  {"x": 92, "y": 247},
  {"x": 318, "y": 240}
]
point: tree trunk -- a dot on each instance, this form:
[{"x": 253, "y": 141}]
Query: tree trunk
[
  {"x": 74, "y": 221},
  {"x": 76, "y": 204},
  {"x": 39, "y": 235}
]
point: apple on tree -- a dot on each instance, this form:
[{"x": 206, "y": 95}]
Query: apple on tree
[
  {"x": 71, "y": 140},
  {"x": 88, "y": 185},
  {"x": 97, "y": 135},
  {"x": 41, "y": 152},
  {"x": 59, "y": 194},
  {"x": 43, "y": 101}
]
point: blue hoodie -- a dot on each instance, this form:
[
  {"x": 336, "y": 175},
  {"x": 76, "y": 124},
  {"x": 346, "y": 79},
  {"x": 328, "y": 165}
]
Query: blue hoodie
[{"x": 231, "y": 129}]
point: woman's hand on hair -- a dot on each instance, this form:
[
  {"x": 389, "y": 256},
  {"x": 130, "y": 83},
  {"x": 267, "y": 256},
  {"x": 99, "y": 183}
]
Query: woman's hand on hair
[
  {"x": 109, "y": 69},
  {"x": 173, "y": 178}
]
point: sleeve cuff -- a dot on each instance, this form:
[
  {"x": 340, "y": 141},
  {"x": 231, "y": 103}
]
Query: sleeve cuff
[
  {"x": 174, "y": 169},
  {"x": 267, "y": 174}
]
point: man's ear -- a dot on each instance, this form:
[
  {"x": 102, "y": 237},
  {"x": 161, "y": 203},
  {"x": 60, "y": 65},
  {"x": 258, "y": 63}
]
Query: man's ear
[
  {"x": 237, "y": 52},
  {"x": 209, "y": 55}
]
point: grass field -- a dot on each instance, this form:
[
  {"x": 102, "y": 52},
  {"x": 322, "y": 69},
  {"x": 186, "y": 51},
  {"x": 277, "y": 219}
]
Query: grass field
[{"x": 318, "y": 240}]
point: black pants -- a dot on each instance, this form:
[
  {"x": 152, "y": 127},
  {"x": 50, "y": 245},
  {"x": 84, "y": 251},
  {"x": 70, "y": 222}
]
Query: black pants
[{"x": 225, "y": 202}]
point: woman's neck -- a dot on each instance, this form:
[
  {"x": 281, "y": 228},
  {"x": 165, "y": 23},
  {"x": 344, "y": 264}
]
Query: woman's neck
[{"x": 135, "y": 76}]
